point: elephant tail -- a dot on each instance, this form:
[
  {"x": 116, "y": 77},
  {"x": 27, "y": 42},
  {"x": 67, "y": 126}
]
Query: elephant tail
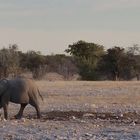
[{"x": 40, "y": 95}]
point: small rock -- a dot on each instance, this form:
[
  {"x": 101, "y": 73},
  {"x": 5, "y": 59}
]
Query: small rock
[
  {"x": 15, "y": 121},
  {"x": 62, "y": 138},
  {"x": 121, "y": 115},
  {"x": 82, "y": 121},
  {"x": 133, "y": 123},
  {"x": 89, "y": 135},
  {"x": 23, "y": 120},
  {"x": 4, "y": 120},
  {"x": 88, "y": 115},
  {"x": 73, "y": 117},
  {"x": 93, "y": 105}
]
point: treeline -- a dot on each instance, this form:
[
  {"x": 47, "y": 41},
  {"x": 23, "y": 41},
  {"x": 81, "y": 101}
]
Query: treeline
[
  {"x": 91, "y": 61},
  {"x": 14, "y": 63}
]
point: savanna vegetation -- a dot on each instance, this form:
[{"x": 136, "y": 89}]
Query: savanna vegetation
[{"x": 91, "y": 61}]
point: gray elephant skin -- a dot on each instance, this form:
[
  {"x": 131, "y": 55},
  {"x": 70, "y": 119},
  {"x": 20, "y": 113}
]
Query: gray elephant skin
[{"x": 20, "y": 91}]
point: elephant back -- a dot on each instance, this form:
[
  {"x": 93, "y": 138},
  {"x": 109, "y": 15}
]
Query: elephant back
[{"x": 18, "y": 90}]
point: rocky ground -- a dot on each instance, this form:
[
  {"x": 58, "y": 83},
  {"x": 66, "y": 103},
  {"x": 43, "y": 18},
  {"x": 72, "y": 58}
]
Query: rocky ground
[{"x": 78, "y": 110}]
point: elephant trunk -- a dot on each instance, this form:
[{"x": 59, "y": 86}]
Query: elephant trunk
[{"x": 3, "y": 86}]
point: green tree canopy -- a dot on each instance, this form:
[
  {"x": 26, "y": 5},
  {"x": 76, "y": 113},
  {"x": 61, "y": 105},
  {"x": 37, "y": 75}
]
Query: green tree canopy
[
  {"x": 87, "y": 56},
  {"x": 134, "y": 57},
  {"x": 115, "y": 63}
]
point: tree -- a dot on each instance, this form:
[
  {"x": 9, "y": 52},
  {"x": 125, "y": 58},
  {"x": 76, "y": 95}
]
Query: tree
[
  {"x": 134, "y": 50},
  {"x": 115, "y": 63},
  {"x": 134, "y": 57},
  {"x": 87, "y": 56},
  {"x": 9, "y": 61},
  {"x": 61, "y": 64},
  {"x": 35, "y": 62}
]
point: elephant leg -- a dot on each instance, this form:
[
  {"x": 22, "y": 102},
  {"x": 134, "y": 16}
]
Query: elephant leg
[
  {"x": 4, "y": 104},
  {"x": 36, "y": 106},
  {"x": 38, "y": 112},
  {"x": 5, "y": 107},
  {"x": 20, "y": 113}
]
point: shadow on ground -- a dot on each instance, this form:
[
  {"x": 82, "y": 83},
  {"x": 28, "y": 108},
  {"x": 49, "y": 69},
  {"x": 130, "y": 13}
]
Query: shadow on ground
[{"x": 127, "y": 117}]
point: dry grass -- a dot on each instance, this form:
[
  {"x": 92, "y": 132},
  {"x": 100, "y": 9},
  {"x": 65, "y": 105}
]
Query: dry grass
[
  {"x": 84, "y": 92},
  {"x": 104, "y": 96}
]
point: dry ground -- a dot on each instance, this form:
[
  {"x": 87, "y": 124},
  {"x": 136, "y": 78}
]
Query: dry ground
[{"x": 79, "y": 110}]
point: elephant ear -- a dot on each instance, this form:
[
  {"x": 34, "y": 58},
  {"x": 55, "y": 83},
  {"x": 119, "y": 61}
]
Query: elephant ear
[{"x": 3, "y": 86}]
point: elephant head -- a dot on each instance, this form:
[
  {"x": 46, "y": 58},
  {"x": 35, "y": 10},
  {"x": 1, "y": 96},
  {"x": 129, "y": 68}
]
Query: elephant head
[{"x": 3, "y": 86}]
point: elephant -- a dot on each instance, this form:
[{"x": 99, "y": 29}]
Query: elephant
[{"x": 21, "y": 91}]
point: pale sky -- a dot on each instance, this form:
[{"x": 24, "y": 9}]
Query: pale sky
[{"x": 50, "y": 26}]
